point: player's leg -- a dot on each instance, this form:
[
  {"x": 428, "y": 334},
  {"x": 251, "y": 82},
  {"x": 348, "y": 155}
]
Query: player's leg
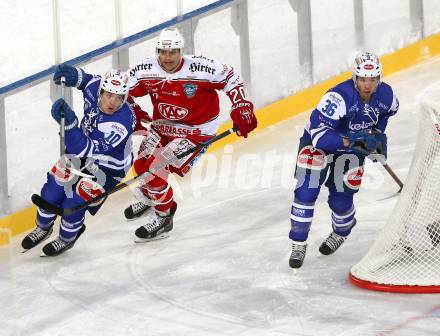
[
  {"x": 143, "y": 204},
  {"x": 311, "y": 170},
  {"x": 59, "y": 181},
  {"x": 343, "y": 221},
  {"x": 73, "y": 226},
  {"x": 344, "y": 181},
  {"x": 159, "y": 191}
]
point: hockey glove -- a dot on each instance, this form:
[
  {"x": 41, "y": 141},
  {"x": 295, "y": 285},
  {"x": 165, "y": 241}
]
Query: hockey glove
[
  {"x": 72, "y": 75},
  {"x": 69, "y": 115},
  {"x": 142, "y": 117},
  {"x": 381, "y": 145},
  {"x": 243, "y": 117},
  {"x": 363, "y": 143}
]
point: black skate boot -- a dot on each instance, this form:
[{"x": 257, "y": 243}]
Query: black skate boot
[
  {"x": 157, "y": 228},
  {"x": 35, "y": 237},
  {"x": 136, "y": 210},
  {"x": 59, "y": 246},
  {"x": 298, "y": 254},
  {"x": 331, "y": 244}
]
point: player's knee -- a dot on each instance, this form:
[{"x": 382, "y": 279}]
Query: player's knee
[
  {"x": 52, "y": 191},
  {"x": 306, "y": 195},
  {"x": 71, "y": 202},
  {"x": 340, "y": 203},
  {"x": 139, "y": 165},
  {"x": 156, "y": 183}
]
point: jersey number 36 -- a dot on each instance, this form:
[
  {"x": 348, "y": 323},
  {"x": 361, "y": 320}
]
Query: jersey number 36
[{"x": 330, "y": 108}]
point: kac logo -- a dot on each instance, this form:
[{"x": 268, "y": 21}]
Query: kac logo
[
  {"x": 172, "y": 112},
  {"x": 190, "y": 89}
]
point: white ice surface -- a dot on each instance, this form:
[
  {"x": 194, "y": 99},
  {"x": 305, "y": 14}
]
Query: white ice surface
[{"x": 224, "y": 268}]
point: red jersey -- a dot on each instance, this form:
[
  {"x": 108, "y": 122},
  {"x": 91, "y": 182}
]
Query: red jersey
[{"x": 185, "y": 103}]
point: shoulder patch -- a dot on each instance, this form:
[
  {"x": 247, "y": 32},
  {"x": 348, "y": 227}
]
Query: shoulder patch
[{"x": 332, "y": 105}]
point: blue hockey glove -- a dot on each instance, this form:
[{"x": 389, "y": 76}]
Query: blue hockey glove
[
  {"x": 69, "y": 72},
  {"x": 363, "y": 143},
  {"x": 70, "y": 119}
]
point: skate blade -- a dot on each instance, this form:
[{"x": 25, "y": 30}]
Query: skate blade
[
  {"x": 24, "y": 250},
  {"x": 147, "y": 240}
]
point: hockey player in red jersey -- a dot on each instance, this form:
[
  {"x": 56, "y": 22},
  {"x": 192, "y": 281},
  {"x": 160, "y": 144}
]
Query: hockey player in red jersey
[{"x": 183, "y": 91}]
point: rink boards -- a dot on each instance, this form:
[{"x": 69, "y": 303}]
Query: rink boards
[{"x": 283, "y": 109}]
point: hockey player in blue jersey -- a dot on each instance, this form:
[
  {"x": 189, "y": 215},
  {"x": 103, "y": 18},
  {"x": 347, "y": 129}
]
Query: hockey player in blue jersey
[
  {"x": 348, "y": 124},
  {"x": 99, "y": 148}
]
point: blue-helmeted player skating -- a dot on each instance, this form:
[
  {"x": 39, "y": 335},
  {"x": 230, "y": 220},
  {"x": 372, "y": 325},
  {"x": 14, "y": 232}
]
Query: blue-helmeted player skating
[
  {"x": 348, "y": 124},
  {"x": 99, "y": 152}
]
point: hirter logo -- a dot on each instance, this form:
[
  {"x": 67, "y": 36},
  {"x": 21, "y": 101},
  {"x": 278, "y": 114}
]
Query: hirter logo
[
  {"x": 172, "y": 112},
  {"x": 353, "y": 178},
  {"x": 368, "y": 66},
  {"x": 115, "y": 82},
  {"x": 310, "y": 157}
]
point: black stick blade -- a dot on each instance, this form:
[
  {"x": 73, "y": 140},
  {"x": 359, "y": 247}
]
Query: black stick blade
[{"x": 42, "y": 203}]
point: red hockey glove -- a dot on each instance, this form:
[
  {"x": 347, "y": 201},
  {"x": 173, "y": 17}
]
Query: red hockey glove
[
  {"x": 142, "y": 116},
  {"x": 243, "y": 117}
]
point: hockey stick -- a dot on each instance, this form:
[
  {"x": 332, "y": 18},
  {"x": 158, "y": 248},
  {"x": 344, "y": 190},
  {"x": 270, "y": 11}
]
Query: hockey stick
[
  {"x": 390, "y": 171},
  {"x": 384, "y": 164},
  {"x": 62, "y": 120},
  {"x": 393, "y": 175},
  {"x": 64, "y": 159},
  {"x": 42, "y": 203}
]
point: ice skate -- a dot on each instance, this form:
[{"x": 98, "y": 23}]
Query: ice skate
[
  {"x": 59, "y": 246},
  {"x": 35, "y": 237},
  {"x": 331, "y": 244},
  {"x": 298, "y": 254},
  {"x": 157, "y": 228},
  {"x": 136, "y": 210}
]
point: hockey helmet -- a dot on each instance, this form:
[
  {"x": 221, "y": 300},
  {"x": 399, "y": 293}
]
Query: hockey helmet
[
  {"x": 170, "y": 39},
  {"x": 115, "y": 81},
  {"x": 367, "y": 64}
]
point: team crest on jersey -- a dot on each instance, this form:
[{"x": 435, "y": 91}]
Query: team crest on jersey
[
  {"x": 190, "y": 89},
  {"x": 313, "y": 158},
  {"x": 353, "y": 178},
  {"x": 372, "y": 113}
]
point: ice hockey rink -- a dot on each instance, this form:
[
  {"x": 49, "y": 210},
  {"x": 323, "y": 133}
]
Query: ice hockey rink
[{"x": 224, "y": 269}]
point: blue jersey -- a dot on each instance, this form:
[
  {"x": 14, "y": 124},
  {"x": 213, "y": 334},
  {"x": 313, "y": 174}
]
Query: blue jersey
[
  {"x": 105, "y": 138},
  {"x": 341, "y": 111}
]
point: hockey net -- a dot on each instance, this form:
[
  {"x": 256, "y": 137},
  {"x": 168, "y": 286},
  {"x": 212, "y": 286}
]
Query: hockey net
[{"x": 406, "y": 255}]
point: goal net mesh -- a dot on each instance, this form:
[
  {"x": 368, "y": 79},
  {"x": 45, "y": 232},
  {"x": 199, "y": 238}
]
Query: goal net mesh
[{"x": 406, "y": 253}]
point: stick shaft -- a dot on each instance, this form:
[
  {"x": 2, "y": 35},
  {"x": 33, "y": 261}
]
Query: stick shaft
[
  {"x": 42, "y": 203},
  {"x": 62, "y": 121}
]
